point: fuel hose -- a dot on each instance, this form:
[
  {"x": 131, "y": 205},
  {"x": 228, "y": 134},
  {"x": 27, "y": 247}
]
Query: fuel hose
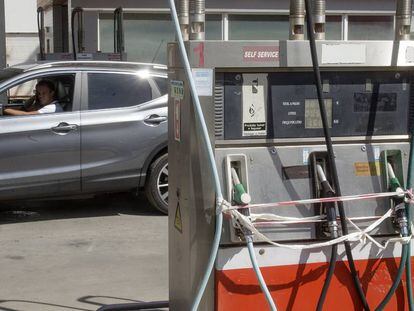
[
  {"x": 210, "y": 156},
  {"x": 331, "y": 156},
  {"x": 410, "y": 182},
  {"x": 402, "y": 222},
  {"x": 327, "y": 191}
]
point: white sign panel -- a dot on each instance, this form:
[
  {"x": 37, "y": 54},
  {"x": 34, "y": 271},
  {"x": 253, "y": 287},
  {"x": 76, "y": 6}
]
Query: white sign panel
[
  {"x": 203, "y": 79},
  {"x": 343, "y": 53},
  {"x": 254, "y": 106}
]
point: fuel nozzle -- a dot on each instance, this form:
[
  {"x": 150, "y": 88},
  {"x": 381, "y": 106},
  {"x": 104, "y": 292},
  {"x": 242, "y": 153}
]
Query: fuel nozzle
[
  {"x": 240, "y": 195},
  {"x": 327, "y": 192},
  {"x": 394, "y": 183},
  {"x": 399, "y": 209}
]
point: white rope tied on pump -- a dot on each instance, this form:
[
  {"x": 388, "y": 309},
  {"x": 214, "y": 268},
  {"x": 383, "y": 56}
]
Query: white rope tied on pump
[{"x": 360, "y": 235}]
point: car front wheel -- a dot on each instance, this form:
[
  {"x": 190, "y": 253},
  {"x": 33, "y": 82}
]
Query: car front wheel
[{"x": 156, "y": 187}]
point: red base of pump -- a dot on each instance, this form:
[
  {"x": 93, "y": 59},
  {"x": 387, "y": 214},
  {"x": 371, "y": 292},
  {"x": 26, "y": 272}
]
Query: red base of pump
[{"x": 298, "y": 287}]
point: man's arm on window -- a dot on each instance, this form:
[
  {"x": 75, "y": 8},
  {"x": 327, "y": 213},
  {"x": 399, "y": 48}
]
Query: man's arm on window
[{"x": 15, "y": 112}]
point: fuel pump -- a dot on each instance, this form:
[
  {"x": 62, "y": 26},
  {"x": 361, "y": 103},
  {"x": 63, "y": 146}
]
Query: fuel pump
[
  {"x": 119, "y": 43},
  {"x": 77, "y": 14},
  {"x": 79, "y": 51},
  {"x": 302, "y": 154}
]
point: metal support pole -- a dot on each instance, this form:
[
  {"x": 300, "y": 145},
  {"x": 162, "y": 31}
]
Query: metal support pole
[
  {"x": 319, "y": 19},
  {"x": 197, "y": 19},
  {"x": 403, "y": 20},
  {"x": 297, "y": 20},
  {"x": 184, "y": 18},
  {"x": 2, "y": 36}
]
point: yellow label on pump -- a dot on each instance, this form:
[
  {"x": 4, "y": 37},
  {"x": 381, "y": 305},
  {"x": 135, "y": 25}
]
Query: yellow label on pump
[
  {"x": 178, "y": 223},
  {"x": 367, "y": 168}
]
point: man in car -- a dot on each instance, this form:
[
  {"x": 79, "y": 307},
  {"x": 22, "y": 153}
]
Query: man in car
[{"x": 45, "y": 101}]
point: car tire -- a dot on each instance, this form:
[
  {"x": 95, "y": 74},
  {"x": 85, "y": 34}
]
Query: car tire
[{"x": 156, "y": 186}]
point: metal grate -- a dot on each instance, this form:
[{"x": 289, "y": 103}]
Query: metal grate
[{"x": 219, "y": 109}]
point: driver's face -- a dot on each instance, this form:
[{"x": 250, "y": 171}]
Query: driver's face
[{"x": 44, "y": 95}]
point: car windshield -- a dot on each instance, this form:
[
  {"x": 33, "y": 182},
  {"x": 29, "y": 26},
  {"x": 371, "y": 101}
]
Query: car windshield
[{"x": 9, "y": 73}]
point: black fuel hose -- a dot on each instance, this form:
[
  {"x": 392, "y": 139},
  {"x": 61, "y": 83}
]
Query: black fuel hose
[
  {"x": 397, "y": 279},
  {"x": 329, "y": 275},
  {"x": 73, "y": 33},
  {"x": 331, "y": 156},
  {"x": 327, "y": 191}
]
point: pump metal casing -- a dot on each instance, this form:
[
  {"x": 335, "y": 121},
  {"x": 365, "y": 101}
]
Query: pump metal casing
[{"x": 271, "y": 157}]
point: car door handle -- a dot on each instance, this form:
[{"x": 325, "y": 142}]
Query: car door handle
[
  {"x": 155, "y": 119},
  {"x": 64, "y": 128}
]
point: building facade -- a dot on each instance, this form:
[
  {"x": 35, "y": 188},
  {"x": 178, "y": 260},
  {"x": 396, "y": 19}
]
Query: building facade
[{"x": 148, "y": 27}]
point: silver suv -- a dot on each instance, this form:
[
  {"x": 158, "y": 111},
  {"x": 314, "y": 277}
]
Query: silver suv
[{"x": 111, "y": 136}]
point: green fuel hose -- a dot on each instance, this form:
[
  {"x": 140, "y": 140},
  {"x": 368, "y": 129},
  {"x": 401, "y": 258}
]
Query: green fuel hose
[{"x": 408, "y": 211}]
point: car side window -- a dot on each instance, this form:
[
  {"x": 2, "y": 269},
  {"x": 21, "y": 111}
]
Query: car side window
[
  {"x": 113, "y": 90},
  {"x": 24, "y": 96},
  {"x": 162, "y": 85}
]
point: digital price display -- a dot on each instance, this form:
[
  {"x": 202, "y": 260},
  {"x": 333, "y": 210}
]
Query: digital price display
[{"x": 313, "y": 118}]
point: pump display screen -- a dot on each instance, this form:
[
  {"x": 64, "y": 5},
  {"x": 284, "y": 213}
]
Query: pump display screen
[
  {"x": 358, "y": 103},
  {"x": 313, "y": 118},
  {"x": 385, "y": 102}
]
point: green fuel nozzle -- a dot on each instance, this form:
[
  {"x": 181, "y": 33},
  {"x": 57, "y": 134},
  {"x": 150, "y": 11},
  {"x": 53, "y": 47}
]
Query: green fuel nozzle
[
  {"x": 240, "y": 195},
  {"x": 393, "y": 181},
  {"x": 399, "y": 208}
]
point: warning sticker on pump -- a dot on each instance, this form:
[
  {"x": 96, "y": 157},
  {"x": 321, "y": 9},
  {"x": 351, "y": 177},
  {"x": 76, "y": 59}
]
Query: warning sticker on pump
[
  {"x": 367, "y": 168},
  {"x": 177, "y": 89},
  {"x": 255, "y": 127},
  {"x": 177, "y": 119},
  {"x": 254, "y": 107},
  {"x": 178, "y": 223}
]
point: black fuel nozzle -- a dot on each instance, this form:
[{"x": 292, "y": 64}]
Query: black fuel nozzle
[
  {"x": 327, "y": 192},
  {"x": 401, "y": 219}
]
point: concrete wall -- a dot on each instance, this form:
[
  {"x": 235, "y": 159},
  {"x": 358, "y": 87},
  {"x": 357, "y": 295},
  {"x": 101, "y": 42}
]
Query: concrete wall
[
  {"x": 21, "y": 48},
  {"x": 22, "y": 43},
  {"x": 20, "y": 16}
]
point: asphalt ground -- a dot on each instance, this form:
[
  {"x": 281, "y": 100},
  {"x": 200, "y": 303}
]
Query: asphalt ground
[{"x": 82, "y": 254}]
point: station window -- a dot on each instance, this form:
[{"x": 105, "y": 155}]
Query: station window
[
  {"x": 370, "y": 27},
  {"x": 147, "y": 35},
  {"x": 274, "y": 27},
  {"x": 333, "y": 27},
  {"x": 258, "y": 27},
  {"x": 214, "y": 27}
]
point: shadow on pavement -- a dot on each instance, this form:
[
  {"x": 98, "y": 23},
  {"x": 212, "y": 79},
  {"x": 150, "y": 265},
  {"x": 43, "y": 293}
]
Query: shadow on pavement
[
  {"x": 114, "y": 300},
  {"x": 102, "y": 205},
  {"x": 29, "y": 303}
]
